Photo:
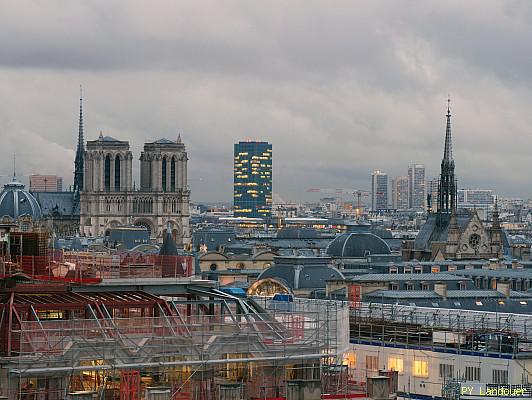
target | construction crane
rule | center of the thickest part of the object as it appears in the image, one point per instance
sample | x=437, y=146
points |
x=340, y=192
x=358, y=195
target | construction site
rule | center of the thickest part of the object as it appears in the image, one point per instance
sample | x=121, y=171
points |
x=435, y=350
x=94, y=332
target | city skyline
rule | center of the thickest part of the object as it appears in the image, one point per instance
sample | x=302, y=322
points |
x=366, y=92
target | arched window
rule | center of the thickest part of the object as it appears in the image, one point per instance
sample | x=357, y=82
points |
x=117, y=173
x=172, y=173
x=107, y=173
x=164, y=174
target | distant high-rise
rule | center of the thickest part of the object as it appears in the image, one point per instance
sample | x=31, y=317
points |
x=46, y=183
x=252, y=179
x=416, y=186
x=432, y=190
x=379, y=191
x=400, y=190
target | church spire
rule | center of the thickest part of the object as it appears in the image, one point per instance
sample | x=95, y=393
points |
x=496, y=220
x=78, y=163
x=448, y=151
x=447, y=184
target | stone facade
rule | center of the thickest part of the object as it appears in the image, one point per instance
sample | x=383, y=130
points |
x=109, y=198
x=474, y=241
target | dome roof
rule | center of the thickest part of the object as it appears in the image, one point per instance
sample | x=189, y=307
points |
x=302, y=272
x=15, y=201
x=357, y=245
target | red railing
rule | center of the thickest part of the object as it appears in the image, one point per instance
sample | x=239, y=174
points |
x=92, y=268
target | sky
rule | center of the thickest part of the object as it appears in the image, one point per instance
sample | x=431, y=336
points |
x=340, y=88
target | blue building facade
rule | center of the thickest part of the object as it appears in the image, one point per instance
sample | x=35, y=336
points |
x=252, y=179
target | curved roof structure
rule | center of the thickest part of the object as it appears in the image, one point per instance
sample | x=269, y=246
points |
x=302, y=272
x=15, y=201
x=357, y=245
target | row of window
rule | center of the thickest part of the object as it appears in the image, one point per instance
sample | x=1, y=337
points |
x=419, y=269
x=424, y=286
x=142, y=206
x=420, y=369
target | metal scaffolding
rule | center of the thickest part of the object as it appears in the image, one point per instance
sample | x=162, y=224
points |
x=437, y=327
x=196, y=348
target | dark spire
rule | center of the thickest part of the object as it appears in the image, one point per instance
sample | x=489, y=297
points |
x=448, y=151
x=447, y=185
x=496, y=220
x=78, y=163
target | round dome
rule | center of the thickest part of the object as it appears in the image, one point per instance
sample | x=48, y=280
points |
x=302, y=272
x=15, y=202
x=357, y=245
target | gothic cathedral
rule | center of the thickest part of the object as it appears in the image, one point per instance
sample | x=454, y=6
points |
x=110, y=198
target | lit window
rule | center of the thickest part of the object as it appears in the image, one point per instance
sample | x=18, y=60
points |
x=395, y=364
x=421, y=369
x=350, y=360
x=523, y=303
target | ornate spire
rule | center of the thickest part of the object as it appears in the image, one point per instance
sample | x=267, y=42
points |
x=448, y=151
x=496, y=221
x=447, y=184
x=80, y=154
x=179, y=138
x=14, y=167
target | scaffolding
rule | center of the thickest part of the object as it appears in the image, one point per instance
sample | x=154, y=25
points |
x=196, y=348
x=90, y=268
x=461, y=330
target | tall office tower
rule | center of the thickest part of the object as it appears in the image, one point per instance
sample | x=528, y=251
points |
x=46, y=183
x=400, y=190
x=252, y=179
x=379, y=190
x=416, y=186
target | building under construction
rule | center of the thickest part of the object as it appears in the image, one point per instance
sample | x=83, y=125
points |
x=435, y=350
x=165, y=339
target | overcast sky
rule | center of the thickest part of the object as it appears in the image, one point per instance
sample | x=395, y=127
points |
x=339, y=88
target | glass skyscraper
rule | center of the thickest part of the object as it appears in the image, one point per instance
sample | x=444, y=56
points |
x=252, y=180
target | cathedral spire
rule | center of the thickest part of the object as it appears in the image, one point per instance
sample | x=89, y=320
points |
x=447, y=185
x=448, y=150
x=78, y=163
x=496, y=220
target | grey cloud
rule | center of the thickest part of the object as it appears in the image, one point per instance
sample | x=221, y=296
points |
x=339, y=88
